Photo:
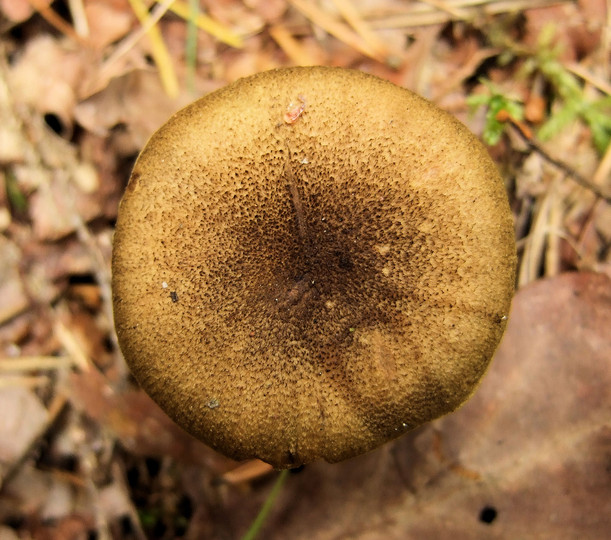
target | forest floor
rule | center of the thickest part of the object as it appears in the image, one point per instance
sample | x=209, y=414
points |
x=84, y=453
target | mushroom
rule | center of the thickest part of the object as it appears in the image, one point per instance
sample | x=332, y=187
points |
x=311, y=262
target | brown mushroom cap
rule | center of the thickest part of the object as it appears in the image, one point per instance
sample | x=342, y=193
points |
x=310, y=262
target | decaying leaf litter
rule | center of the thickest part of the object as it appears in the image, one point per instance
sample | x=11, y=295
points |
x=83, y=452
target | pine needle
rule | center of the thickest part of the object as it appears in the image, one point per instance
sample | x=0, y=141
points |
x=79, y=17
x=349, y=12
x=336, y=28
x=291, y=47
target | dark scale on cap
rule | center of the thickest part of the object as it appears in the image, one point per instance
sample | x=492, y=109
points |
x=337, y=285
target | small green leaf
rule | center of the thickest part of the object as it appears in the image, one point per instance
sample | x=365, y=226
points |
x=496, y=102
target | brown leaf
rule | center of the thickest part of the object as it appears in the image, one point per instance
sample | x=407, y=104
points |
x=527, y=457
x=108, y=21
x=138, y=422
x=135, y=100
x=46, y=77
x=18, y=404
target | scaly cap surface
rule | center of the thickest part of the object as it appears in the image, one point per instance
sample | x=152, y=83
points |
x=310, y=262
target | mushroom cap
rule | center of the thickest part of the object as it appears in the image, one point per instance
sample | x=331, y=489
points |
x=310, y=262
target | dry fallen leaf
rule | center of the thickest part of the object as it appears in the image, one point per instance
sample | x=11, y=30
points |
x=528, y=457
x=22, y=418
x=46, y=77
x=108, y=21
x=135, y=101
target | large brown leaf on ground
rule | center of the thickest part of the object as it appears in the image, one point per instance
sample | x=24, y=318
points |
x=528, y=457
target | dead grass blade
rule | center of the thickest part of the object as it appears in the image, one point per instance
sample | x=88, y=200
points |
x=35, y=363
x=49, y=15
x=209, y=25
x=431, y=12
x=160, y=53
x=352, y=16
x=337, y=29
x=298, y=54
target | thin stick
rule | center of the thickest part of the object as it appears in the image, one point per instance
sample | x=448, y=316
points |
x=569, y=171
x=596, y=81
x=526, y=135
x=56, y=21
x=255, y=468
